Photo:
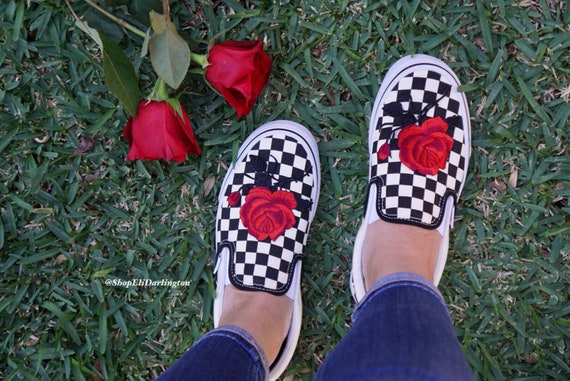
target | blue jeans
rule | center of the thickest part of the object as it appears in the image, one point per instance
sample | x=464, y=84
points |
x=401, y=331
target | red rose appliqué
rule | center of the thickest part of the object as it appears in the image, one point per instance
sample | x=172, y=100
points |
x=383, y=152
x=234, y=198
x=425, y=148
x=268, y=214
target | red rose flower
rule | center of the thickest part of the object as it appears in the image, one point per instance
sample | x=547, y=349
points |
x=425, y=148
x=383, y=152
x=238, y=70
x=158, y=131
x=268, y=214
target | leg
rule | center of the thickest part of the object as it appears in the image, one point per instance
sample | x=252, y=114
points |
x=248, y=310
x=401, y=331
x=419, y=142
x=267, y=202
x=387, y=249
x=228, y=353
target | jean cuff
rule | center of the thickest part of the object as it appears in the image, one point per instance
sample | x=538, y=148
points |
x=398, y=280
x=245, y=340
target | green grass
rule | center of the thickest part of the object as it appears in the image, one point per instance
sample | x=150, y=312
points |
x=71, y=221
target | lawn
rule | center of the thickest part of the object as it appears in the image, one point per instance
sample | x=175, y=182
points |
x=77, y=219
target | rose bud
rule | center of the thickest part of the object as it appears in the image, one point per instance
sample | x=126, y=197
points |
x=238, y=70
x=383, y=152
x=159, y=131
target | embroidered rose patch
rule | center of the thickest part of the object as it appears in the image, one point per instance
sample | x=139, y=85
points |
x=425, y=148
x=266, y=205
x=268, y=214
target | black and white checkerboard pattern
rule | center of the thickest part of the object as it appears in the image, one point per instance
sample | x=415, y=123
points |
x=405, y=195
x=267, y=265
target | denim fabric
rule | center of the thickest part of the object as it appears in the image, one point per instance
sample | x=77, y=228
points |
x=401, y=331
x=226, y=353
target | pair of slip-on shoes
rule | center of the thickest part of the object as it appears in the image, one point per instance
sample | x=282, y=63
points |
x=419, y=145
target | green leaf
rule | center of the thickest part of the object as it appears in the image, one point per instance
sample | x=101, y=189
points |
x=104, y=25
x=175, y=104
x=540, y=111
x=158, y=22
x=18, y=21
x=484, y=24
x=169, y=53
x=102, y=273
x=91, y=32
x=116, y=3
x=53, y=309
x=102, y=328
x=141, y=9
x=120, y=75
x=144, y=48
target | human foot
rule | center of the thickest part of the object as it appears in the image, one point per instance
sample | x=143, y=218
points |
x=419, y=145
x=266, y=204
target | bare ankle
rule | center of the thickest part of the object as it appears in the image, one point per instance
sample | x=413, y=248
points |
x=264, y=316
x=391, y=248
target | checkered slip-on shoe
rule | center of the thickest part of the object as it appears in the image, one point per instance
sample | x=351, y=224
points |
x=266, y=204
x=419, y=143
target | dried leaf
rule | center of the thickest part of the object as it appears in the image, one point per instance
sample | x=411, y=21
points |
x=498, y=186
x=92, y=177
x=505, y=274
x=97, y=366
x=479, y=42
x=512, y=50
x=85, y=144
x=514, y=177
x=209, y=185
x=33, y=340
x=42, y=140
x=92, y=32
